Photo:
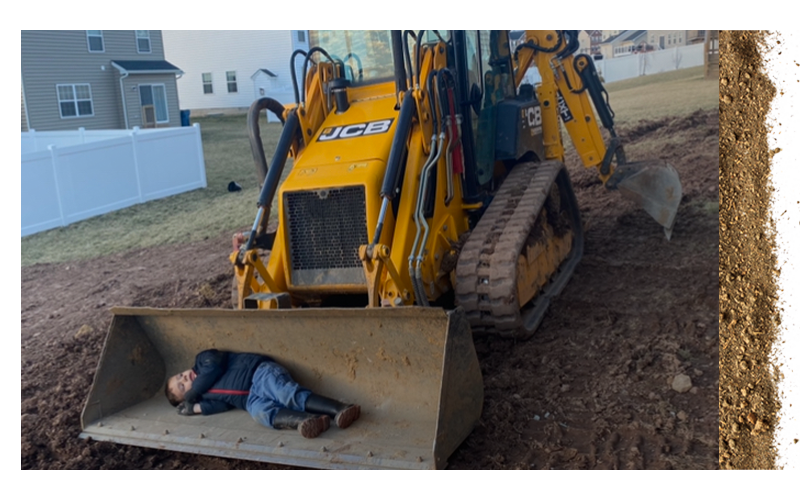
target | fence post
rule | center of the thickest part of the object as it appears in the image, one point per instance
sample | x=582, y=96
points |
x=82, y=132
x=54, y=161
x=32, y=132
x=200, y=158
x=134, y=147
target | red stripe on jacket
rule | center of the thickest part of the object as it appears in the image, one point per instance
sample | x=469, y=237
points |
x=229, y=391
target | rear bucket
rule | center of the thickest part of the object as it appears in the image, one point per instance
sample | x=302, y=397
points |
x=413, y=370
x=653, y=186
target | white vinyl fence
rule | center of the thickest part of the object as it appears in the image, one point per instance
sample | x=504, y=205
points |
x=633, y=65
x=650, y=63
x=69, y=176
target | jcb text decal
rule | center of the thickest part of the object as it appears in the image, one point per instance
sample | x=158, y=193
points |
x=355, y=130
x=563, y=109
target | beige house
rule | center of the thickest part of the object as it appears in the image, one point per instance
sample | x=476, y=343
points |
x=97, y=79
x=666, y=39
x=624, y=43
x=585, y=42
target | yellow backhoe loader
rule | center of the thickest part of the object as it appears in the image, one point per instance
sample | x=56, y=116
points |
x=428, y=202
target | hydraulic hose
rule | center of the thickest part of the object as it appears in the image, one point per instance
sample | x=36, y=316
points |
x=254, y=131
x=293, y=69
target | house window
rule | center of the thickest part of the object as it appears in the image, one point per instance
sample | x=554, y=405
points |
x=231, y=76
x=156, y=96
x=143, y=41
x=75, y=100
x=301, y=36
x=95, y=40
x=624, y=49
x=208, y=87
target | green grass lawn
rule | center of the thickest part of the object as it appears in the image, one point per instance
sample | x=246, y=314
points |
x=673, y=93
x=213, y=211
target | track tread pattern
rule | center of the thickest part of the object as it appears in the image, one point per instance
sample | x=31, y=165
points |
x=486, y=274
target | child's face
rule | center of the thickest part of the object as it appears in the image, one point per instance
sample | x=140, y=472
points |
x=179, y=384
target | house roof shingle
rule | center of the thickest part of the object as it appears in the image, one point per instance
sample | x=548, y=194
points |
x=634, y=35
x=614, y=37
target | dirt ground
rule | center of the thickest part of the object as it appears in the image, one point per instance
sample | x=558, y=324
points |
x=593, y=389
x=748, y=397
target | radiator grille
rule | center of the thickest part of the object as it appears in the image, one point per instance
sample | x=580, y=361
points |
x=326, y=227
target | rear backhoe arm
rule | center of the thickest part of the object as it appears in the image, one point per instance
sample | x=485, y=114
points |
x=570, y=85
x=563, y=93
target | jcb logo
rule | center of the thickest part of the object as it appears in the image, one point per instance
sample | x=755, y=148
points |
x=532, y=116
x=355, y=130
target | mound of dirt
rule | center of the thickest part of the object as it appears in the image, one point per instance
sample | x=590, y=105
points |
x=592, y=389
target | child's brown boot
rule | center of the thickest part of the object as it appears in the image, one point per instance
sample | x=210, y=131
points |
x=307, y=424
x=343, y=414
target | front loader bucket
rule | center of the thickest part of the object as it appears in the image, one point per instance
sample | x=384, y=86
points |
x=413, y=370
x=654, y=186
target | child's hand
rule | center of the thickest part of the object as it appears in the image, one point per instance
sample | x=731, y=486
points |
x=187, y=409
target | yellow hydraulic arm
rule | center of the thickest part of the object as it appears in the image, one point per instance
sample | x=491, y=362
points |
x=562, y=93
x=570, y=85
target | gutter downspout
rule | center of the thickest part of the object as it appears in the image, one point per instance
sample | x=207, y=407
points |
x=25, y=103
x=124, y=74
x=178, y=77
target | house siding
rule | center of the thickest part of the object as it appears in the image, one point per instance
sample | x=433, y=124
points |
x=134, y=104
x=220, y=51
x=50, y=58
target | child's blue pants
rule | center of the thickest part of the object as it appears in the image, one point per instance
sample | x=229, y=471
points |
x=273, y=389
